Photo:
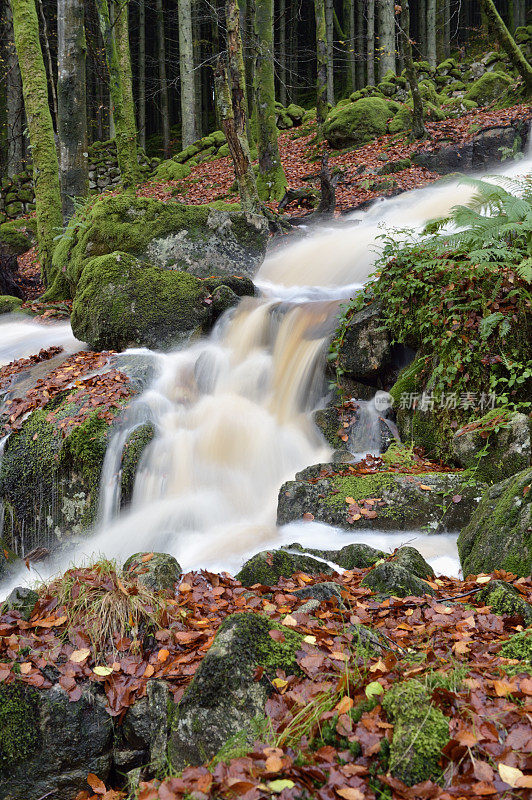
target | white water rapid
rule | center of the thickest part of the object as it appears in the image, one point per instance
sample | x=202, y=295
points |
x=232, y=412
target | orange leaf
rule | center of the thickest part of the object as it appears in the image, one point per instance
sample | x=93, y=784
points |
x=350, y=793
x=95, y=783
x=146, y=557
x=163, y=654
x=274, y=763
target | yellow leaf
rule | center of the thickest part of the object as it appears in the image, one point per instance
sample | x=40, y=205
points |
x=25, y=668
x=80, y=655
x=510, y=775
x=279, y=683
x=289, y=621
x=163, y=654
x=350, y=500
x=379, y=666
x=102, y=671
x=309, y=639
x=339, y=656
x=484, y=579
x=425, y=488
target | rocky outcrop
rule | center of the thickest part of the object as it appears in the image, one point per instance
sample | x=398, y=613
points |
x=497, y=445
x=499, y=536
x=441, y=501
x=354, y=124
x=49, y=745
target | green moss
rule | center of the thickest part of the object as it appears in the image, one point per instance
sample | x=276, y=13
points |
x=8, y=304
x=171, y=170
x=357, y=123
x=358, y=487
x=420, y=733
x=393, y=579
x=504, y=599
x=133, y=450
x=488, y=88
x=14, y=239
x=519, y=646
x=266, y=568
x=19, y=733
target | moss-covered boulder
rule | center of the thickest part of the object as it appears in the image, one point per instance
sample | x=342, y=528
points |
x=497, y=445
x=9, y=304
x=401, y=501
x=357, y=123
x=134, y=448
x=410, y=559
x=48, y=745
x=50, y=475
x=499, y=536
x=158, y=571
x=202, y=240
x=225, y=696
x=16, y=238
x=121, y=301
x=504, y=599
x=488, y=88
x=420, y=733
x=172, y=170
x=22, y=600
x=393, y=579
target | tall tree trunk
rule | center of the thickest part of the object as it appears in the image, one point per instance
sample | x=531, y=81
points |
x=440, y=30
x=186, y=72
x=124, y=62
x=447, y=28
x=292, y=40
x=418, y=127
x=126, y=141
x=282, y=53
x=231, y=96
x=349, y=25
x=142, y=75
x=112, y=129
x=422, y=25
x=359, y=44
x=321, y=52
x=72, y=103
x=431, y=33
x=371, y=43
x=197, y=59
x=49, y=63
x=14, y=101
x=271, y=181
x=329, y=24
x=508, y=43
x=386, y=37
x=163, y=83
x=41, y=130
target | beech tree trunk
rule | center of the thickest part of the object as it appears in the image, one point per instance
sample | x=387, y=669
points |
x=49, y=65
x=126, y=140
x=329, y=26
x=271, y=181
x=359, y=44
x=282, y=53
x=386, y=37
x=516, y=55
x=418, y=128
x=186, y=73
x=422, y=26
x=231, y=96
x=72, y=103
x=321, y=52
x=431, y=33
x=40, y=127
x=163, y=83
x=14, y=101
x=142, y=75
x=349, y=25
x=124, y=61
x=371, y=43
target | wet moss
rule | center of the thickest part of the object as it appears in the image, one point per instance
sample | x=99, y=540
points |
x=488, y=88
x=266, y=568
x=133, y=450
x=519, y=646
x=393, y=579
x=19, y=732
x=505, y=600
x=9, y=304
x=357, y=123
x=358, y=487
x=420, y=733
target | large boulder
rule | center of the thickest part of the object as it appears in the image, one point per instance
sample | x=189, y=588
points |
x=488, y=88
x=441, y=501
x=48, y=745
x=227, y=695
x=499, y=536
x=497, y=445
x=203, y=240
x=393, y=579
x=158, y=571
x=356, y=123
x=366, y=352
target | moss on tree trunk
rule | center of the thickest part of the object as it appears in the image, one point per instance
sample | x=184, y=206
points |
x=496, y=23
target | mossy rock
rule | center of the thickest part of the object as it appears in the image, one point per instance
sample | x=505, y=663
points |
x=395, y=166
x=134, y=448
x=488, y=88
x=393, y=579
x=171, y=170
x=203, y=240
x=121, y=302
x=505, y=600
x=357, y=123
x=49, y=481
x=519, y=646
x=420, y=733
x=21, y=600
x=409, y=502
x=225, y=695
x=507, y=448
x=9, y=304
x=411, y=560
x=158, y=571
x=14, y=240
x=499, y=536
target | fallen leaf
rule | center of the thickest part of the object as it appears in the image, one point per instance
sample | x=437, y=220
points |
x=349, y=793
x=510, y=775
x=80, y=655
x=102, y=671
x=95, y=783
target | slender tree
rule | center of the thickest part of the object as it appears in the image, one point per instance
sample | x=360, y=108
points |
x=186, y=71
x=14, y=101
x=321, y=52
x=349, y=25
x=508, y=43
x=282, y=52
x=329, y=26
x=386, y=37
x=418, y=128
x=71, y=103
x=124, y=62
x=371, y=43
x=422, y=27
x=271, y=180
x=40, y=127
x=48, y=62
x=163, y=83
x=431, y=33
x=359, y=44
x=126, y=141
x=141, y=104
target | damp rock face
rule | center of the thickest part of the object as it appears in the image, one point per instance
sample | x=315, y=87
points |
x=394, y=579
x=225, y=697
x=157, y=571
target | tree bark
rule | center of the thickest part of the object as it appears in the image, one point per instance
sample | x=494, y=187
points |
x=186, y=72
x=14, y=101
x=40, y=126
x=142, y=75
x=126, y=142
x=371, y=43
x=349, y=25
x=49, y=64
x=231, y=96
x=418, y=128
x=329, y=25
x=72, y=103
x=386, y=37
x=431, y=33
x=271, y=181
x=508, y=43
x=282, y=53
x=422, y=25
x=359, y=44
x=124, y=62
x=163, y=83
x=321, y=53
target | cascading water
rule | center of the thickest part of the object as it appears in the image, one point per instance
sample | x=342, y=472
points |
x=231, y=413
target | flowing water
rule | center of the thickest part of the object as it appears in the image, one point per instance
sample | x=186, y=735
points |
x=232, y=412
